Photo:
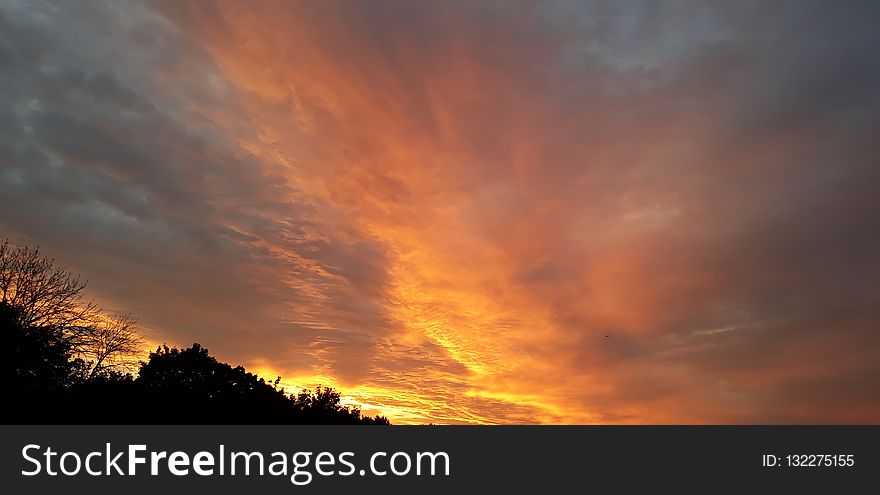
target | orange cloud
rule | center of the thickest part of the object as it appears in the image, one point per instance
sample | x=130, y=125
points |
x=541, y=217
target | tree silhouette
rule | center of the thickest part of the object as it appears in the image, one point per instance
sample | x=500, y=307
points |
x=193, y=383
x=110, y=343
x=41, y=359
x=44, y=295
x=48, y=297
x=211, y=391
x=65, y=364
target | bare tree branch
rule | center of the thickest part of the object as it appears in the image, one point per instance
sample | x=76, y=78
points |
x=46, y=295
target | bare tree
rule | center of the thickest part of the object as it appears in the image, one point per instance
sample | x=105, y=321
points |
x=111, y=343
x=44, y=295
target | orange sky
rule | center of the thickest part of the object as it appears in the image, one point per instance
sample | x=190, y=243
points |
x=475, y=212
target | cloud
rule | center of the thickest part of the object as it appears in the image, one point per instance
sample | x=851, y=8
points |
x=563, y=212
x=126, y=159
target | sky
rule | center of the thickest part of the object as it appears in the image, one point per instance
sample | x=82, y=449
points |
x=470, y=212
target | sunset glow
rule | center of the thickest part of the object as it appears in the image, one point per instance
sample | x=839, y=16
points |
x=470, y=212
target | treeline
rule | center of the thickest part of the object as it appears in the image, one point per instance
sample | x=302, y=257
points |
x=71, y=363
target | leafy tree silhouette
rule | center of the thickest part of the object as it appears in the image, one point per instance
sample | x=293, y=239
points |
x=191, y=385
x=41, y=358
x=60, y=365
x=174, y=386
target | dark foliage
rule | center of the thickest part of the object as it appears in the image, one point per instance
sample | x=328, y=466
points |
x=42, y=358
x=47, y=302
x=186, y=386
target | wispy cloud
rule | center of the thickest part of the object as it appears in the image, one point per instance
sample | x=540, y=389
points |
x=487, y=212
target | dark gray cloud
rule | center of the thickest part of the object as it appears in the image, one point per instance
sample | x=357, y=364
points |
x=119, y=157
